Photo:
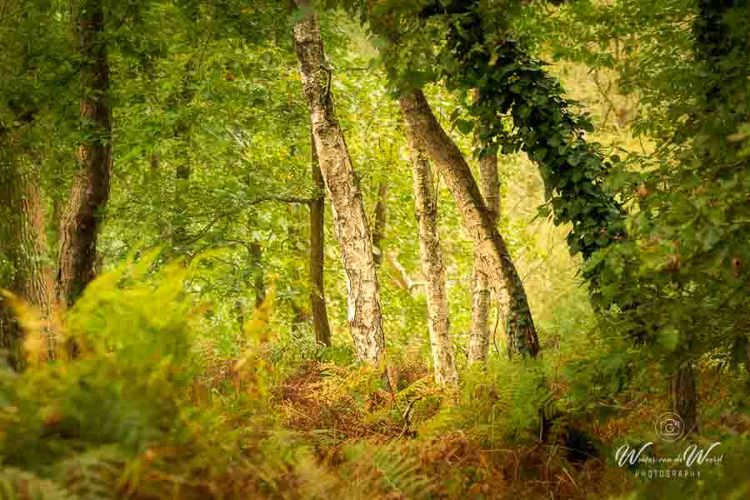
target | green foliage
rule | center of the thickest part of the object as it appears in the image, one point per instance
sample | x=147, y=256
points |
x=508, y=81
x=688, y=219
x=391, y=470
x=725, y=481
x=498, y=404
x=196, y=372
x=17, y=484
x=128, y=382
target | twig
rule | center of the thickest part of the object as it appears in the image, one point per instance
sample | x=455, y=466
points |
x=407, y=416
x=257, y=201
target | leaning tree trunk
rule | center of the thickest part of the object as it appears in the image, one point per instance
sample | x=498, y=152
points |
x=24, y=270
x=427, y=134
x=350, y=221
x=480, y=306
x=82, y=217
x=317, y=255
x=425, y=202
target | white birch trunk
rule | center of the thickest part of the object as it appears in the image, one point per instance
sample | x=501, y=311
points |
x=350, y=221
x=425, y=202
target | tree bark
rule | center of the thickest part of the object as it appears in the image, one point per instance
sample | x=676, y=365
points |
x=179, y=213
x=683, y=391
x=428, y=135
x=182, y=132
x=425, y=202
x=480, y=307
x=83, y=215
x=490, y=185
x=378, y=230
x=350, y=220
x=24, y=270
x=255, y=252
x=317, y=255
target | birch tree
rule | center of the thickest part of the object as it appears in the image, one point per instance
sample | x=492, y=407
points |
x=481, y=295
x=349, y=218
x=426, y=133
x=425, y=202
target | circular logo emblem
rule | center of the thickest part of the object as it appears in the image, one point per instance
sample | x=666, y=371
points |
x=670, y=426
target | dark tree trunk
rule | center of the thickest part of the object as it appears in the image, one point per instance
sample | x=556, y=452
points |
x=182, y=132
x=428, y=135
x=317, y=255
x=259, y=278
x=179, y=215
x=83, y=215
x=683, y=390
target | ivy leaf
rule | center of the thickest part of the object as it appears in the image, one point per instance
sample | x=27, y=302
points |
x=464, y=126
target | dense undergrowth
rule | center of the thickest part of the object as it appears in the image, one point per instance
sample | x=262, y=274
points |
x=155, y=407
x=192, y=372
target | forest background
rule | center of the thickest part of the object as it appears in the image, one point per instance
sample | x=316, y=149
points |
x=374, y=249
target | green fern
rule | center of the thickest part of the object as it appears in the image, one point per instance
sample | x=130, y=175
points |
x=16, y=484
x=92, y=474
x=387, y=468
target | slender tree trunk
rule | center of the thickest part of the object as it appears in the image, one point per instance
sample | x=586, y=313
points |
x=425, y=202
x=182, y=132
x=179, y=214
x=24, y=270
x=428, y=135
x=490, y=185
x=317, y=255
x=378, y=230
x=683, y=391
x=350, y=221
x=82, y=217
x=480, y=307
x=259, y=278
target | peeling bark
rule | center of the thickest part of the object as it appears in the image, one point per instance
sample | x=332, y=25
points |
x=428, y=135
x=83, y=215
x=350, y=220
x=432, y=267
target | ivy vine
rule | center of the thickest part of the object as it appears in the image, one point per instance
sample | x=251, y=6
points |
x=511, y=83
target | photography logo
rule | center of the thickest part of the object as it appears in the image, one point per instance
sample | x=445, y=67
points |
x=684, y=461
x=670, y=426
